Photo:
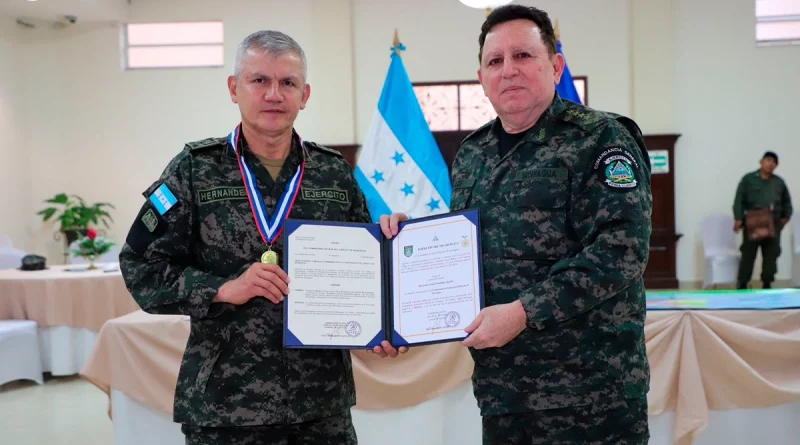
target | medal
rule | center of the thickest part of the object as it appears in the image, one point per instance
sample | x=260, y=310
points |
x=269, y=257
x=269, y=228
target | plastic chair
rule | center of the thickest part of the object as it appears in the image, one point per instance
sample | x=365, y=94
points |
x=10, y=258
x=722, y=253
x=796, y=251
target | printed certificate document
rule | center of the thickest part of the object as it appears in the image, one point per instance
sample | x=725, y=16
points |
x=351, y=288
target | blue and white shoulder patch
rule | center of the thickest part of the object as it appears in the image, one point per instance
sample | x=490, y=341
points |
x=163, y=199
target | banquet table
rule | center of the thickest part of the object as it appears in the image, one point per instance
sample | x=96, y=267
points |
x=70, y=304
x=725, y=368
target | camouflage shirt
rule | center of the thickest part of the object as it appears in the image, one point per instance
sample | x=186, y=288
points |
x=235, y=370
x=565, y=227
x=754, y=191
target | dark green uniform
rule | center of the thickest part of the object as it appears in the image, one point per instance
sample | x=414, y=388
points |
x=235, y=371
x=565, y=226
x=756, y=192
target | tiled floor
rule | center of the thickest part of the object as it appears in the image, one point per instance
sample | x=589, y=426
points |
x=65, y=411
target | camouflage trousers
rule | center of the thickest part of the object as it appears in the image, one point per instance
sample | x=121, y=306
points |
x=334, y=430
x=619, y=423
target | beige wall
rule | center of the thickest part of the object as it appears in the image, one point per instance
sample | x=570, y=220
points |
x=674, y=65
x=442, y=44
x=732, y=102
x=15, y=182
x=108, y=133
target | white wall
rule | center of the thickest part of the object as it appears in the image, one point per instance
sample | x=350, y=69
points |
x=107, y=134
x=442, y=44
x=674, y=65
x=14, y=181
x=733, y=101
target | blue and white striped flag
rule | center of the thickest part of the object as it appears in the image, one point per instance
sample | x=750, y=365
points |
x=400, y=168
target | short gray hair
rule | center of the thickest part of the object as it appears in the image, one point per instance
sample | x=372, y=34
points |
x=271, y=42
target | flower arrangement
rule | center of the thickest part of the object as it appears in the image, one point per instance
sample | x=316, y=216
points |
x=91, y=246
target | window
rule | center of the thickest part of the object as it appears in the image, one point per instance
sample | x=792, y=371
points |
x=173, y=45
x=777, y=22
x=455, y=109
x=462, y=106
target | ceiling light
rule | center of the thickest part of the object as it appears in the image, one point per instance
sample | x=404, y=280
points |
x=485, y=4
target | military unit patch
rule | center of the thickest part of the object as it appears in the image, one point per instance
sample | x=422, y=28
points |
x=150, y=220
x=617, y=168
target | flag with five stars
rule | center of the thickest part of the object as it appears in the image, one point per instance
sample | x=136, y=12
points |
x=400, y=168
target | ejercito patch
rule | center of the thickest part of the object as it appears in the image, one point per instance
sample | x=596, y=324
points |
x=617, y=169
x=326, y=195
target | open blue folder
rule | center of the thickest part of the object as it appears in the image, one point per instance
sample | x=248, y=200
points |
x=440, y=275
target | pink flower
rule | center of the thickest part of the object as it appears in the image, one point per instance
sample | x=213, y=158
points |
x=91, y=234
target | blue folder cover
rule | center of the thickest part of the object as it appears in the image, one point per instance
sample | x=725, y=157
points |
x=387, y=331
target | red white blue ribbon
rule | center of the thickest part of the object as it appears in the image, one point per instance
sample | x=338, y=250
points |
x=269, y=228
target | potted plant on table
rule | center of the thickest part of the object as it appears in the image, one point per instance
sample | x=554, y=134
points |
x=91, y=247
x=74, y=215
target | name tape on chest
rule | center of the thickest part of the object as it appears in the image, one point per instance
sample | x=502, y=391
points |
x=327, y=194
x=163, y=199
x=558, y=174
x=220, y=194
x=617, y=169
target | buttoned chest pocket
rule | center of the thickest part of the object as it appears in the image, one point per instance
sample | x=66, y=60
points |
x=462, y=191
x=536, y=227
x=220, y=213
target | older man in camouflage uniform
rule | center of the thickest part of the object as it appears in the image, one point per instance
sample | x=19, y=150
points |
x=194, y=249
x=564, y=196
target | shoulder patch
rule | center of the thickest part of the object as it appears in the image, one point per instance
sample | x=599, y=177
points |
x=330, y=151
x=206, y=143
x=480, y=131
x=617, y=169
x=584, y=117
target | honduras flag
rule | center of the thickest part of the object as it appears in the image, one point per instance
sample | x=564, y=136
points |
x=400, y=168
x=566, y=88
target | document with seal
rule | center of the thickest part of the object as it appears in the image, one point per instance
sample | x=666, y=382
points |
x=437, y=279
x=351, y=288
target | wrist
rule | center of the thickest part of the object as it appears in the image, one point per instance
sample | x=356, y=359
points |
x=520, y=315
x=222, y=293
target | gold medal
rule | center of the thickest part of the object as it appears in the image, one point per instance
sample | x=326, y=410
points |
x=269, y=257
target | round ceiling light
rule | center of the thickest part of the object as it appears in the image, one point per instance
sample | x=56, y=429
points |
x=485, y=4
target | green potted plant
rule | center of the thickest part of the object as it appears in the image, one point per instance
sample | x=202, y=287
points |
x=92, y=246
x=74, y=215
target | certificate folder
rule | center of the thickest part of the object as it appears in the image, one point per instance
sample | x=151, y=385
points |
x=352, y=288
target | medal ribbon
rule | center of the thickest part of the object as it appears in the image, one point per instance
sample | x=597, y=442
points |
x=269, y=228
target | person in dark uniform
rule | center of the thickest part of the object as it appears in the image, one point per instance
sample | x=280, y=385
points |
x=195, y=249
x=565, y=203
x=761, y=189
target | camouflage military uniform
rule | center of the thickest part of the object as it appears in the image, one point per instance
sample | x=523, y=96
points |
x=235, y=371
x=565, y=226
x=753, y=192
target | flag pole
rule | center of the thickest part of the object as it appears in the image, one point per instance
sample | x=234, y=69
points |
x=396, y=43
x=558, y=31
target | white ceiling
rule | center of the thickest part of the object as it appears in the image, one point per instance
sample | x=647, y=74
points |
x=49, y=11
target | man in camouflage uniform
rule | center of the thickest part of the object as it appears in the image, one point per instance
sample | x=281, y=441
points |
x=565, y=203
x=194, y=249
x=761, y=189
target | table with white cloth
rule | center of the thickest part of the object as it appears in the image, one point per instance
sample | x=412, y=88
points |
x=70, y=304
x=717, y=376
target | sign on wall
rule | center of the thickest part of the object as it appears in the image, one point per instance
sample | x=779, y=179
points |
x=659, y=161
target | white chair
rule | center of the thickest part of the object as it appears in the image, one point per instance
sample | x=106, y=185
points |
x=10, y=258
x=5, y=241
x=796, y=251
x=721, y=251
x=112, y=256
x=20, y=358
